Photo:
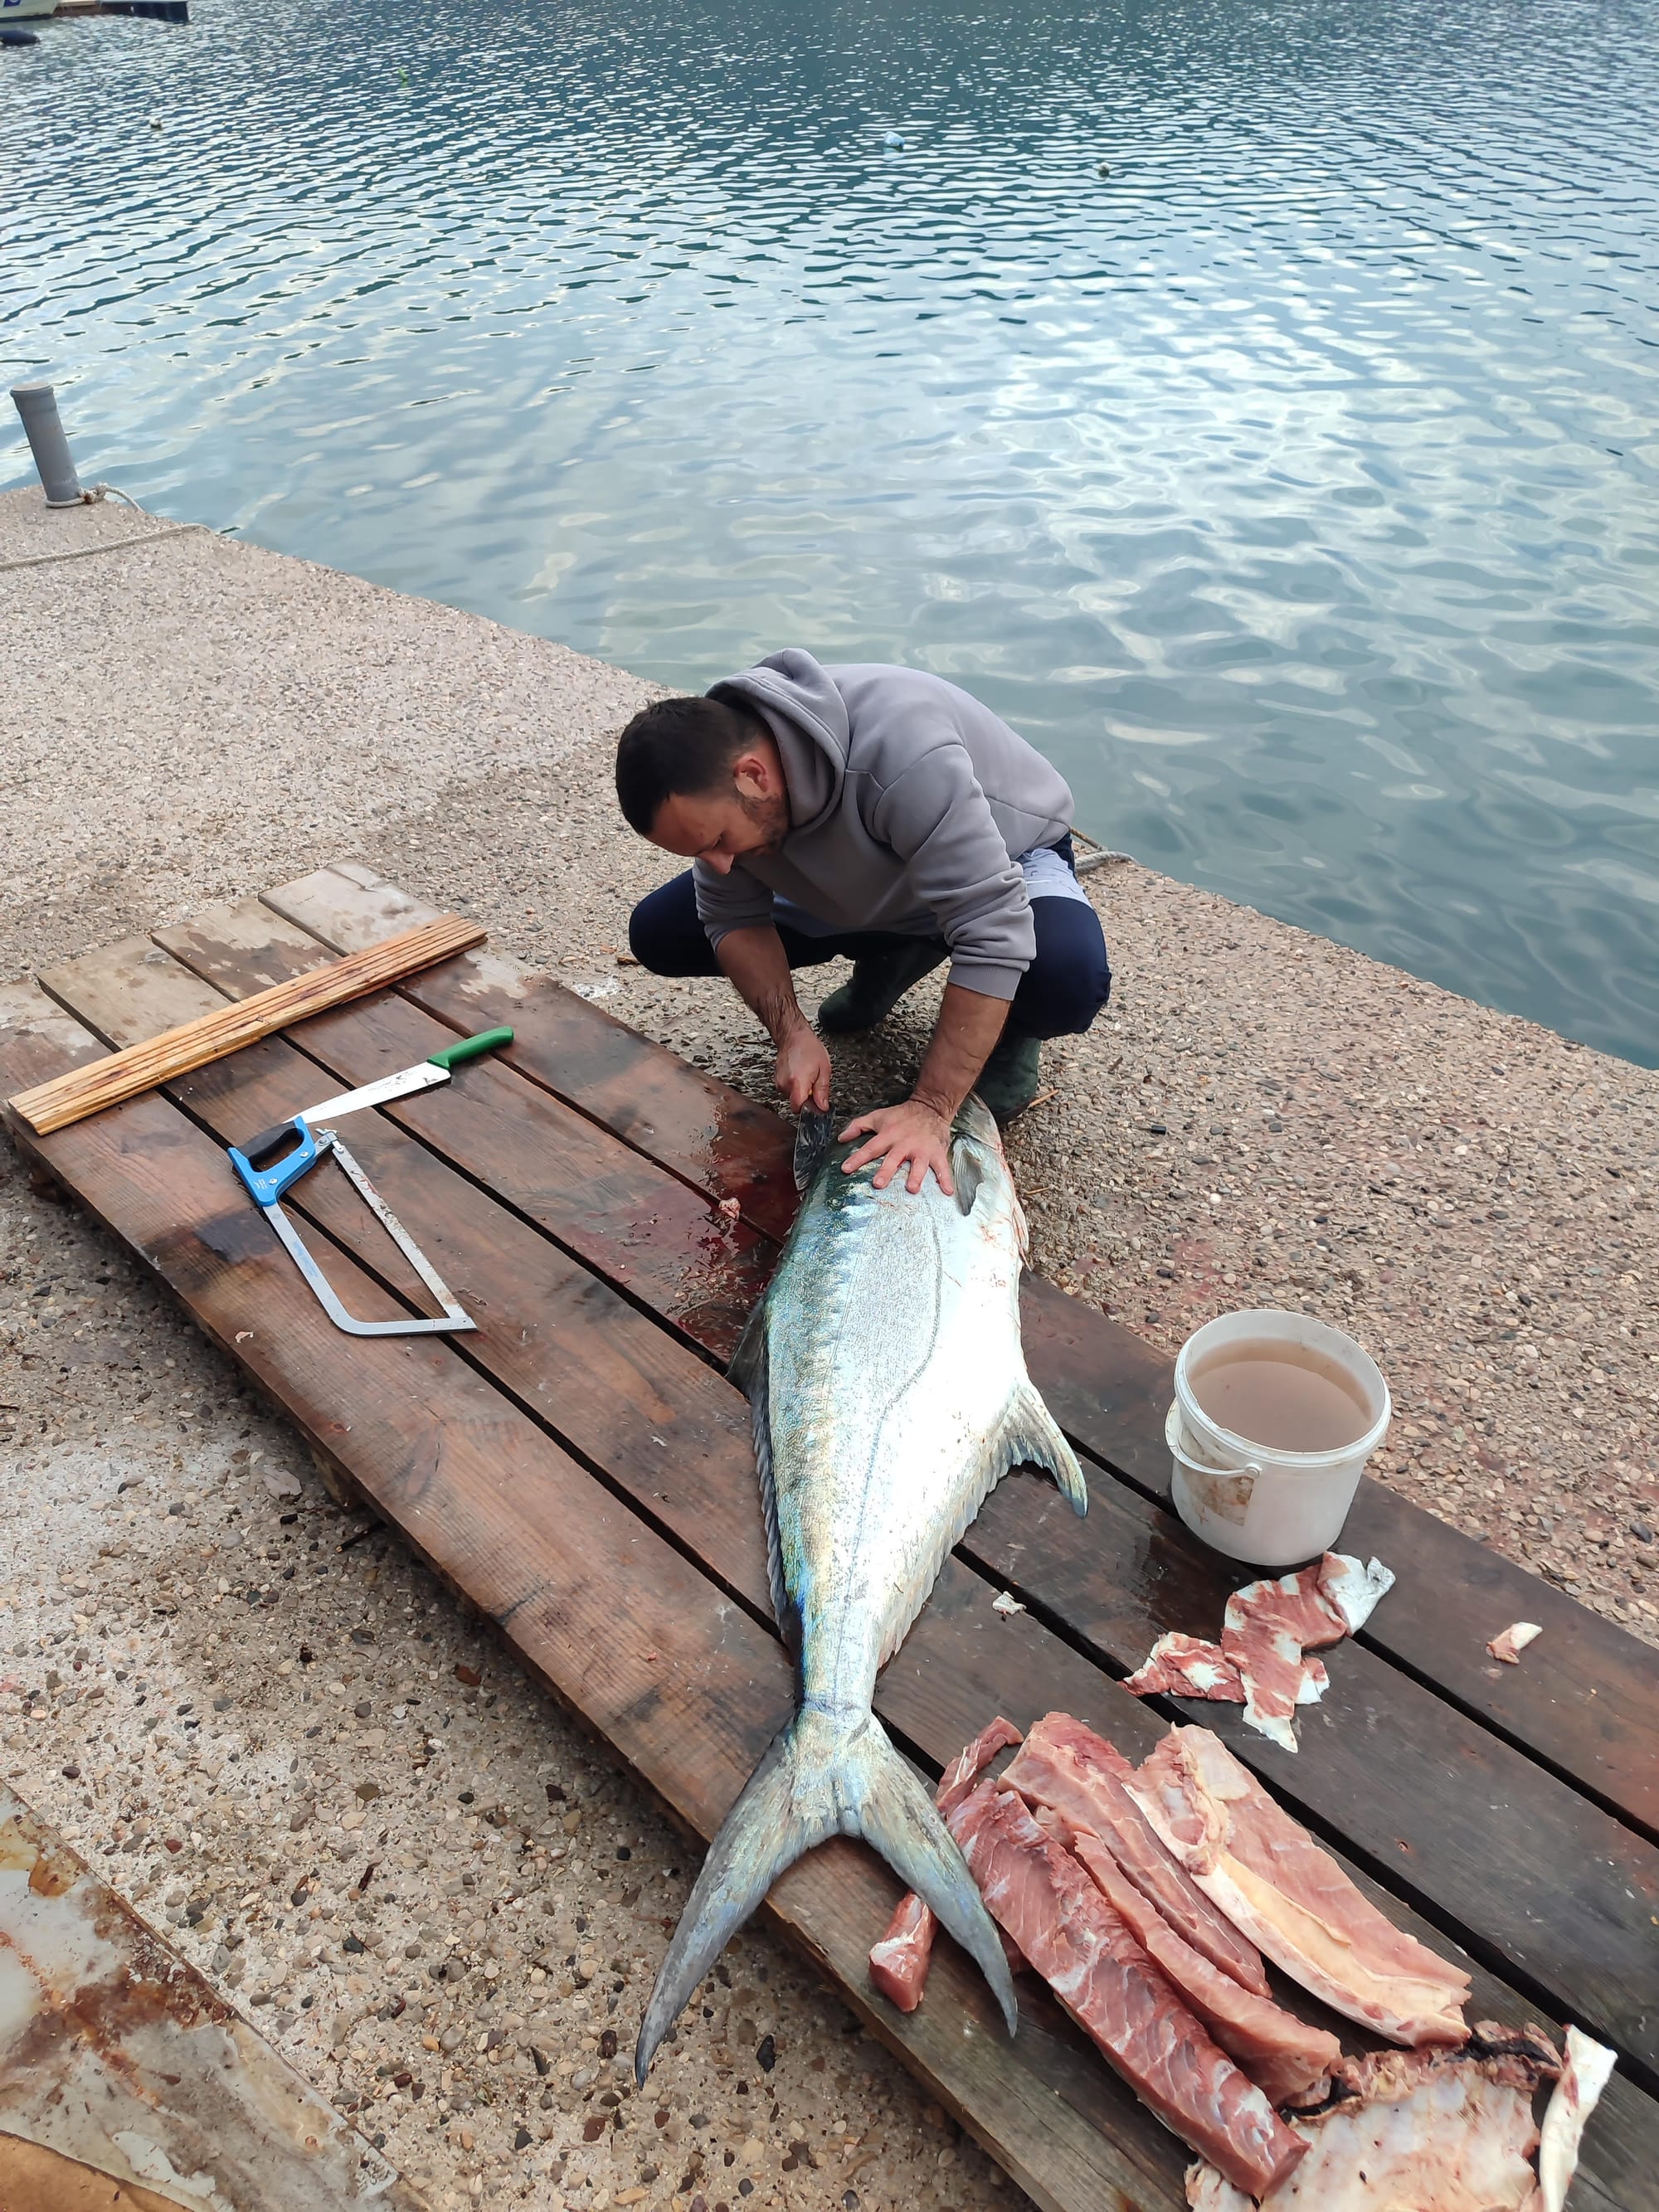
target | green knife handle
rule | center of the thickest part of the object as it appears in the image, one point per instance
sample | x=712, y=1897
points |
x=470, y=1047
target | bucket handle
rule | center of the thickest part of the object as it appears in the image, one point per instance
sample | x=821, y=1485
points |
x=1199, y=1465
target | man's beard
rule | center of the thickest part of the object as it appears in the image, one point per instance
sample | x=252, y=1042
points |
x=771, y=817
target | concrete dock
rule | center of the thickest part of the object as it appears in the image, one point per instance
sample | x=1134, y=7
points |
x=1261, y=1118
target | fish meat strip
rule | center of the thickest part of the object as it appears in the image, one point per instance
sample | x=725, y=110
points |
x=1275, y=1882
x=1586, y=2073
x=1421, y=2131
x=1065, y=1765
x=899, y=1962
x=1509, y=1643
x=1039, y=1893
x=1290, y=2061
x=1183, y=1667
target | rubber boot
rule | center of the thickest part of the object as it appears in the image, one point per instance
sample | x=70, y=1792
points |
x=1008, y=1081
x=878, y=985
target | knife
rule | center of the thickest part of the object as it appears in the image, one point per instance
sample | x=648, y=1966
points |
x=425, y=1075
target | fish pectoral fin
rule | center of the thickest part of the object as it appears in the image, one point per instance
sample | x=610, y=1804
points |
x=1029, y=1437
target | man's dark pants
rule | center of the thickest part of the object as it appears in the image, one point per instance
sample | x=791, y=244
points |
x=1060, y=993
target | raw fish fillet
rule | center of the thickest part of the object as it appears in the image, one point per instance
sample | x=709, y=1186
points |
x=1586, y=2073
x=1074, y=1939
x=899, y=1962
x=1290, y=2061
x=1064, y=1764
x=1423, y=2131
x=1509, y=1643
x=1267, y=1873
x=1182, y=1667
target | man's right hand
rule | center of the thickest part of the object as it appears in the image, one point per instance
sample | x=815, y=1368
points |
x=803, y=1069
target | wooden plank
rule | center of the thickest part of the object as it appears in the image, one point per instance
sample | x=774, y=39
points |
x=1457, y=1819
x=644, y=1228
x=689, y=1688
x=1589, y=1713
x=961, y=1660
x=84, y=1091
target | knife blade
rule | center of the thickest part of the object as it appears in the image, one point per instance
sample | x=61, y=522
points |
x=425, y=1075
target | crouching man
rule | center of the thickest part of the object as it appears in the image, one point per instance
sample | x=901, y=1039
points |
x=881, y=815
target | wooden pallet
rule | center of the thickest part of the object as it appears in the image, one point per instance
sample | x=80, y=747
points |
x=581, y=1469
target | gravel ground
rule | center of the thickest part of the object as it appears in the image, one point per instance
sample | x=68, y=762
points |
x=268, y=1727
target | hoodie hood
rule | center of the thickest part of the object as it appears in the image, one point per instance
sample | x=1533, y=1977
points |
x=807, y=716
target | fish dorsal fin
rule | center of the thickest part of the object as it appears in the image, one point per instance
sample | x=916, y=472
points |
x=814, y=1134
x=967, y=1175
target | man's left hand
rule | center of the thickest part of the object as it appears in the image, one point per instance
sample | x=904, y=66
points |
x=912, y=1135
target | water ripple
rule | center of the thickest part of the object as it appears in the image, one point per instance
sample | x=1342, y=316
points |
x=1292, y=483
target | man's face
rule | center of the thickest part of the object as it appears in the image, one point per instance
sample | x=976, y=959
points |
x=750, y=815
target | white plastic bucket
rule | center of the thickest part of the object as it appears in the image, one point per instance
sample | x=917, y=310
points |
x=1272, y=1509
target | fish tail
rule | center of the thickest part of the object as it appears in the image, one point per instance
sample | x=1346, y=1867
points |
x=899, y=1818
x=826, y=1774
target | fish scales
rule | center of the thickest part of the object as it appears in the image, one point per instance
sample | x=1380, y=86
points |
x=889, y=1395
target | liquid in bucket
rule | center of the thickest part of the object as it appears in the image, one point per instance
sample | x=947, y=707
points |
x=1284, y=1396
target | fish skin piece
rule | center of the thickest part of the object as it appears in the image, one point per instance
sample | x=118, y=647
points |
x=1275, y=1883
x=890, y=1395
x=1418, y=2131
x=1065, y=1765
x=1585, y=2073
x=1509, y=1643
x=900, y=1959
x=1105, y=1981
x=1290, y=2061
x=1353, y=1589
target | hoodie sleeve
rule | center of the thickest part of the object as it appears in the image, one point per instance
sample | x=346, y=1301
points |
x=736, y=901
x=935, y=817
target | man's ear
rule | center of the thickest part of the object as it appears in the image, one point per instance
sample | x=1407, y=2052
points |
x=752, y=775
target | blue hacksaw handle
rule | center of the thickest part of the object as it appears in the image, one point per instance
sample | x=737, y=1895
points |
x=265, y=1188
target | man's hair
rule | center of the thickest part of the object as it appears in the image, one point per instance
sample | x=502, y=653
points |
x=676, y=746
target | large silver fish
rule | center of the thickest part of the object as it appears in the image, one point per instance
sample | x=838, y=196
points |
x=889, y=1396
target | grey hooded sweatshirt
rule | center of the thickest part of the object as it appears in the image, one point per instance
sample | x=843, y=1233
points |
x=908, y=805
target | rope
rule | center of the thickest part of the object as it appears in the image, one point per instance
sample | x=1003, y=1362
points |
x=115, y=545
